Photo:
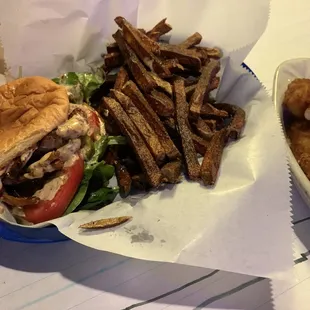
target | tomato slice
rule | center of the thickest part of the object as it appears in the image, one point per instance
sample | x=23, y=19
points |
x=47, y=210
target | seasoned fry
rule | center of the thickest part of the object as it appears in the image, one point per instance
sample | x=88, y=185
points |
x=131, y=90
x=113, y=60
x=161, y=103
x=207, y=52
x=212, y=159
x=142, y=76
x=151, y=110
x=154, y=36
x=159, y=29
x=210, y=110
x=238, y=119
x=191, y=161
x=121, y=79
x=203, y=130
x=189, y=90
x=128, y=128
x=123, y=179
x=150, y=44
x=106, y=223
x=160, y=83
x=215, y=83
x=200, y=144
x=146, y=131
x=184, y=56
x=191, y=41
x=143, y=50
x=112, y=48
x=139, y=182
x=211, y=123
x=203, y=87
x=172, y=172
x=173, y=65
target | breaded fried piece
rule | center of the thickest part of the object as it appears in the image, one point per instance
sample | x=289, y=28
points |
x=203, y=87
x=212, y=159
x=190, y=155
x=146, y=131
x=298, y=133
x=132, y=91
x=128, y=128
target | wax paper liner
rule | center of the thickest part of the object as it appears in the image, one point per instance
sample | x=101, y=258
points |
x=57, y=36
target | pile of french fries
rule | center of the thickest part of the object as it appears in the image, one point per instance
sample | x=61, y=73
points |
x=161, y=103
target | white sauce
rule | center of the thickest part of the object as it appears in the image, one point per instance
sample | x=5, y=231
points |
x=50, y=188
x=73, y=128
x=44, y=165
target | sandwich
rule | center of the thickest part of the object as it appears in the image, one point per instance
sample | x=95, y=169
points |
x=45, y=144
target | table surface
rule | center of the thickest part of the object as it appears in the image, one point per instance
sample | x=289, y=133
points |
x=70, y=276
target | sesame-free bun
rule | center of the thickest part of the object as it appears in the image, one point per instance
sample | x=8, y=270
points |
x=30, y=108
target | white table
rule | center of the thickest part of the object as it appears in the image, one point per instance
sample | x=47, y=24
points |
x=70, y=276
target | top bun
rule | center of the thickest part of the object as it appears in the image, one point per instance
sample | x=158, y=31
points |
x=30, y=108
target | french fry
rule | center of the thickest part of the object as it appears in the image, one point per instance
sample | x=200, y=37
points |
x=121, y=79
x=131, y=90
x=203, y=130
x=200, y=144
x=128, y=128
x=106, y=223
x=143, y=50
x=191, y=41
x=150, y=44
x=146, y=131
x=161, y=103
x=203, y=87
x=212, y=159
x=172, y=172
x=191, y=161
x=185, y=57
x=113, y=60
x=209, y=110
x=238, y=119
x=142, y=76
x=159, y=29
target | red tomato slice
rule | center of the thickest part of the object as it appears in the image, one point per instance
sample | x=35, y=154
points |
x=47, y=210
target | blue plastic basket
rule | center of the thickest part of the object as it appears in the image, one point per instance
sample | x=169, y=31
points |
x=42, y=235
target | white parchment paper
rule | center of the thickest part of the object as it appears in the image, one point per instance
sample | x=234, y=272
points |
x=241, y=225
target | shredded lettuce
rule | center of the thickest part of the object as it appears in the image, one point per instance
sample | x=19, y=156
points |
x=81, y=86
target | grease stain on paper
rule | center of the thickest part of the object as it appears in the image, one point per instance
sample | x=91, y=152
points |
x=143, y=236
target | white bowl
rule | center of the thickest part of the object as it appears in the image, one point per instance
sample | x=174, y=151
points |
x=286, y=73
